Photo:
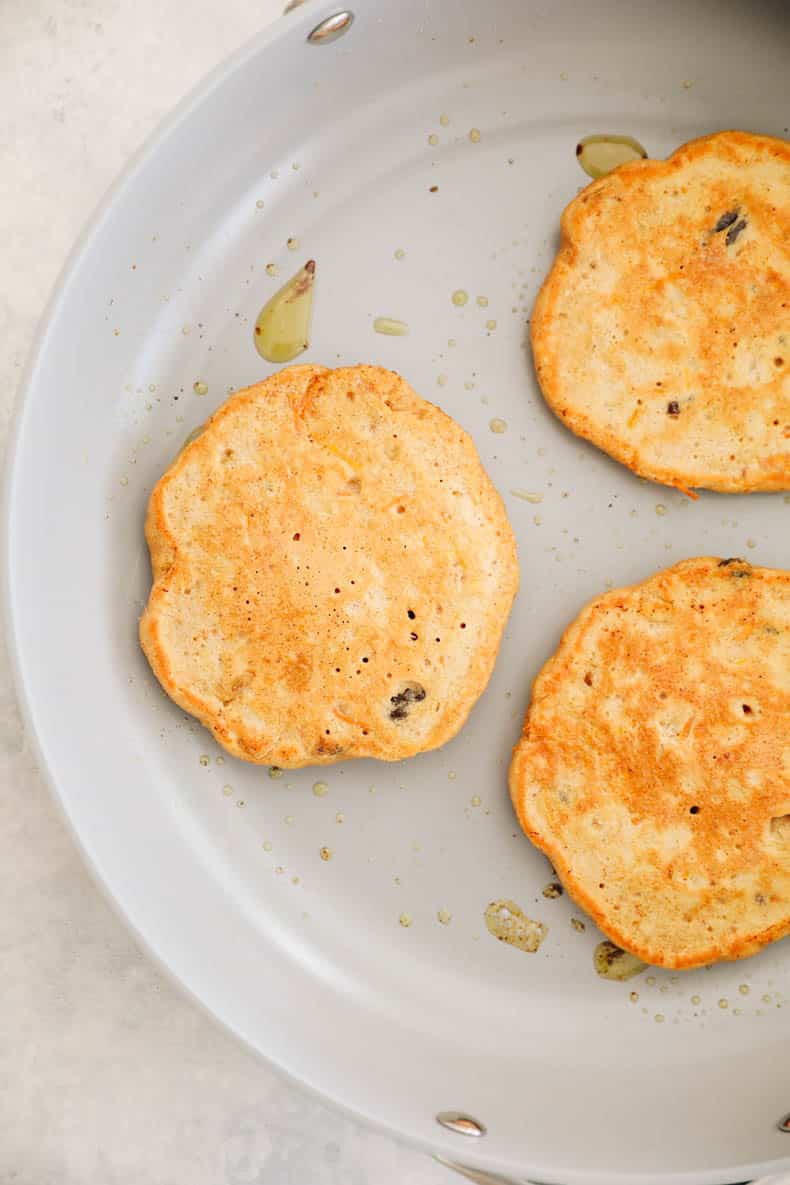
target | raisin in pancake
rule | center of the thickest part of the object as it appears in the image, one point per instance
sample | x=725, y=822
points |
x=333, y=571
x=654, y=768
x=662, y=332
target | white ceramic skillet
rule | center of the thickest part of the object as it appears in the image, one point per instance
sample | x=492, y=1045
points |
x=359, y=149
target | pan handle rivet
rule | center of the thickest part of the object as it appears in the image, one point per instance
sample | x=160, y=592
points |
x=784, y=1124
x=463, y=1125
x=330, y=29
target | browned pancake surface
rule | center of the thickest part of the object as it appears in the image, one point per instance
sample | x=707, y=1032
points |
x=333, y=571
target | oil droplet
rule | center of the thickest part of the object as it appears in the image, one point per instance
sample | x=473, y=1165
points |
x=259, y=203
x=186, y=329
x=696, y=1000
x=282, y=329
x=497, y=425
x=227, y=791
x=459, y=298
x=267, y=845
x=271, y=269
x=744, y=989
x=292, y=243
x=441, y=380
x=279, y=870
x=275, y=771
x=633, y=997
x=444, y=917
x=433, y=139
x=200, y=388
x=444, y=120
x=325, y=853
x=578, y=925
x=552, y=890
x=491, y=324
x=340, y=817
x=599, y=154
x=508, y=922
x=124, y=481
x=612, y=962
x=661, y=509
x=405, y=920
x=220, y=760
x=475, y=800
x=751, y=542
x=451, y=774
x=400, y=253
x=474, y=135
x=659, y=1018
x=724, y=1003
x=204, y=759
x=390, y=326
x=526, y=496
x=767, y=998
x=241, y=803
x=483, y=302
x=651, y=979
x=289, y=819
x=320, y=789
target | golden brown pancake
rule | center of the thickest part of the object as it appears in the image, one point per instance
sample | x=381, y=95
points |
x=662, y=332
x=654, y=768
x=332, y=569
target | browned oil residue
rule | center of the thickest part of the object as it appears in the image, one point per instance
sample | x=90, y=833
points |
x=611, y=962
x=282, y=330
x=508, y=922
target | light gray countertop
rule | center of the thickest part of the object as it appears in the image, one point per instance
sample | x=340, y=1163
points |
x=108, y=1075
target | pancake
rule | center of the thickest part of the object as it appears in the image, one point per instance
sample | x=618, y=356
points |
x=654, y=767
x=332, y=571
x=662, y=332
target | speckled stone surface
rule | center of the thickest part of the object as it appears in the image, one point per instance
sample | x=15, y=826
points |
x=108, y=1075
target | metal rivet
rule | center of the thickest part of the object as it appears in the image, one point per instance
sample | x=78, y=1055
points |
x=463, y=1125
x=784, y=1125
x=331, y=28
